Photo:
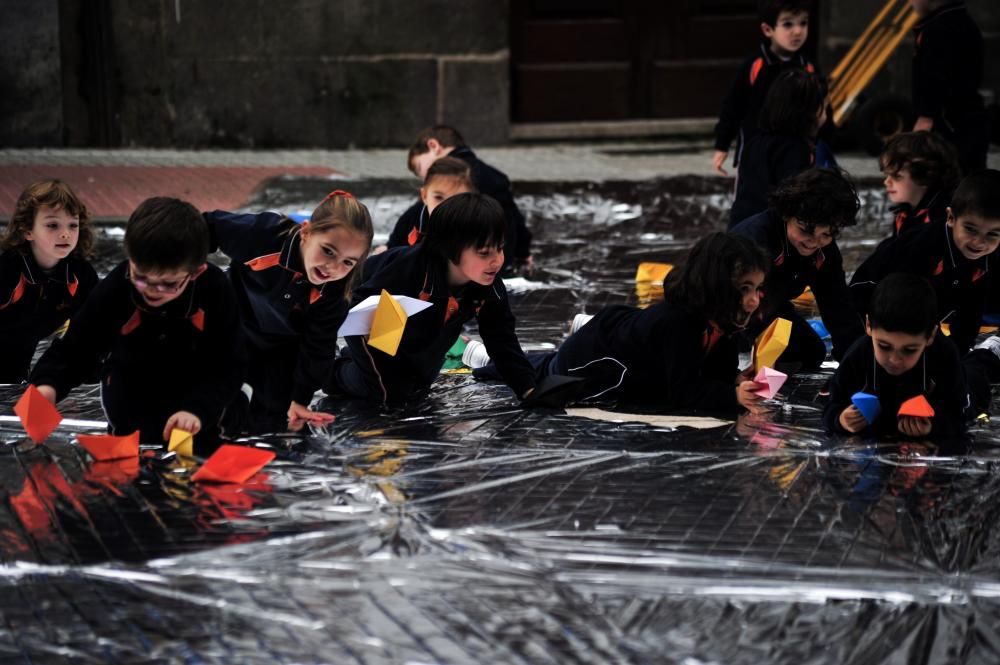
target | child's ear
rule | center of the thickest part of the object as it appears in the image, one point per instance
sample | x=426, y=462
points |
x=767, y=30
x=868, y=326
x=423, y=195
x=197, y=273
x=433, y=145
x=951, y=216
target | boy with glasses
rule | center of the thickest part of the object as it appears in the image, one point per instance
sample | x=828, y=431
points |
x=162, y=332
x=798, y=231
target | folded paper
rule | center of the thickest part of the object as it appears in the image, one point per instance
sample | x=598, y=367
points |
x=772, y=380
x=359, y=319
x=233, y=464
x=771, y=343
x=917, y=407
x=39, y=416
x=388, y=325
x=652, y=272
x=104, y=447
x=868, y=405
x=182, y=442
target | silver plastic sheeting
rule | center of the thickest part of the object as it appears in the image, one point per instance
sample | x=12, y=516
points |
x=464, y=529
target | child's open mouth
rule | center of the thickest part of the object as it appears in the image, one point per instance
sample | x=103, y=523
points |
x=320, y=275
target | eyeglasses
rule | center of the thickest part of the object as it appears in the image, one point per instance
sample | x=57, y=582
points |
x=170, y=286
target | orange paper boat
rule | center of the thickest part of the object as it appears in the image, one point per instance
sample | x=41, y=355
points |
x=918, y=407
x=39, y=416
x=104, y=447
x=233, y=464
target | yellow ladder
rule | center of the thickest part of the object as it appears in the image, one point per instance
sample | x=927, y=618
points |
x=867, y=56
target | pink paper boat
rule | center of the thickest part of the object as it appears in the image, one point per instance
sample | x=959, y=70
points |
x=773, y=380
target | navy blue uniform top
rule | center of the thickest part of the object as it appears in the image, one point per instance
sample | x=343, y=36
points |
x=933, y=207
x=947, y=64
x=791, y=273
x=414, y=272
x=767, y=159
x=35, y=302
x=278, y=304
x=742, y=103
x=938, y=376
x=673, y=358
x=188, y=352
x=487, y=180
x=961, y=285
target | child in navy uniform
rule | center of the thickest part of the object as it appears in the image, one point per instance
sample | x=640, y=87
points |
x=162, y=331
x=798, y=232
x=44, y=273
x=679, y=354
x=921, y=172
x=947, y=75
x=441, y=140
x=456, y=268
x=785, y=25
x=955, y=256
x=793, y=112
x=445, y=178
x=293, y=284
x=903, y=357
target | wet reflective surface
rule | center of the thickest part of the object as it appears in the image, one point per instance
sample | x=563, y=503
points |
x=464, y=529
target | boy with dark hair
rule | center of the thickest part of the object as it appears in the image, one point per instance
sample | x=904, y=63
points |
x=456, y=268
x=903, y=357
x=921, y=172
x=785, y=27
x=955, y=256
x=947, y=75
x=439, y=141
x=162, y=332
x=798, y=231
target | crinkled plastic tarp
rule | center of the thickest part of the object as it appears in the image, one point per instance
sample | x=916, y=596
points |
x=463, y=529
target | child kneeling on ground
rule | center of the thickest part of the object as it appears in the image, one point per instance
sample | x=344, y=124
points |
x=680, y=354
x=903, y=356
x=162, y=331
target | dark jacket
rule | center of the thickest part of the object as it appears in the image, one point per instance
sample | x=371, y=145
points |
x=741, y=105
x=186, y=355
x=938, y=376
x=961, y=285
x=767, y=159
x=414, y=272
x=947, y=65
x=278, y=304
x=671, y=357
x=34, y=303
x=791, y=273
x=933, y=207
x=489, y=181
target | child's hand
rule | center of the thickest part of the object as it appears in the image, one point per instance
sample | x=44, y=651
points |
x=718, y=159
x=746, y=395
x=378, y=249
x=299, y=415
x=184, y=420
x=914, y=426
x=923, y=124
x=852, y=420
x=48, y=392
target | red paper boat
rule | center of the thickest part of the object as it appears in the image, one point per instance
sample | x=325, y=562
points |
x=104, y=447
x=233, y=464
x=918, y=407
x=39, y=416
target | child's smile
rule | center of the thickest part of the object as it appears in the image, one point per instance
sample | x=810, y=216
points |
x=53, y=236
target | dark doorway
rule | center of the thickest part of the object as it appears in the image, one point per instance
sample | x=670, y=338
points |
x=585, y=60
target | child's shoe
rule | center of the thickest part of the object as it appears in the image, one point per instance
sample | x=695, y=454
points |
x=475, y=355
x=579, y=321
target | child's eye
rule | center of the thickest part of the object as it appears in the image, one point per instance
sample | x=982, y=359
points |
x=74, y=227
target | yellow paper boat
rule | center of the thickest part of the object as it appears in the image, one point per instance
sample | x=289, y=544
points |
x=182, y=442
x=653, y=272
x=388, y=325
x=771, y=344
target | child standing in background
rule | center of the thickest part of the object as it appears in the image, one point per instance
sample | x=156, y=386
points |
x=947, y=75
x=162, y=331
x=785, y=27
x=445, y=178
x=798, y=231
x=921, y=172
x=455, y=267
x=44, y=273
x=793, y=112
x=293, y=285
x=956, y=256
